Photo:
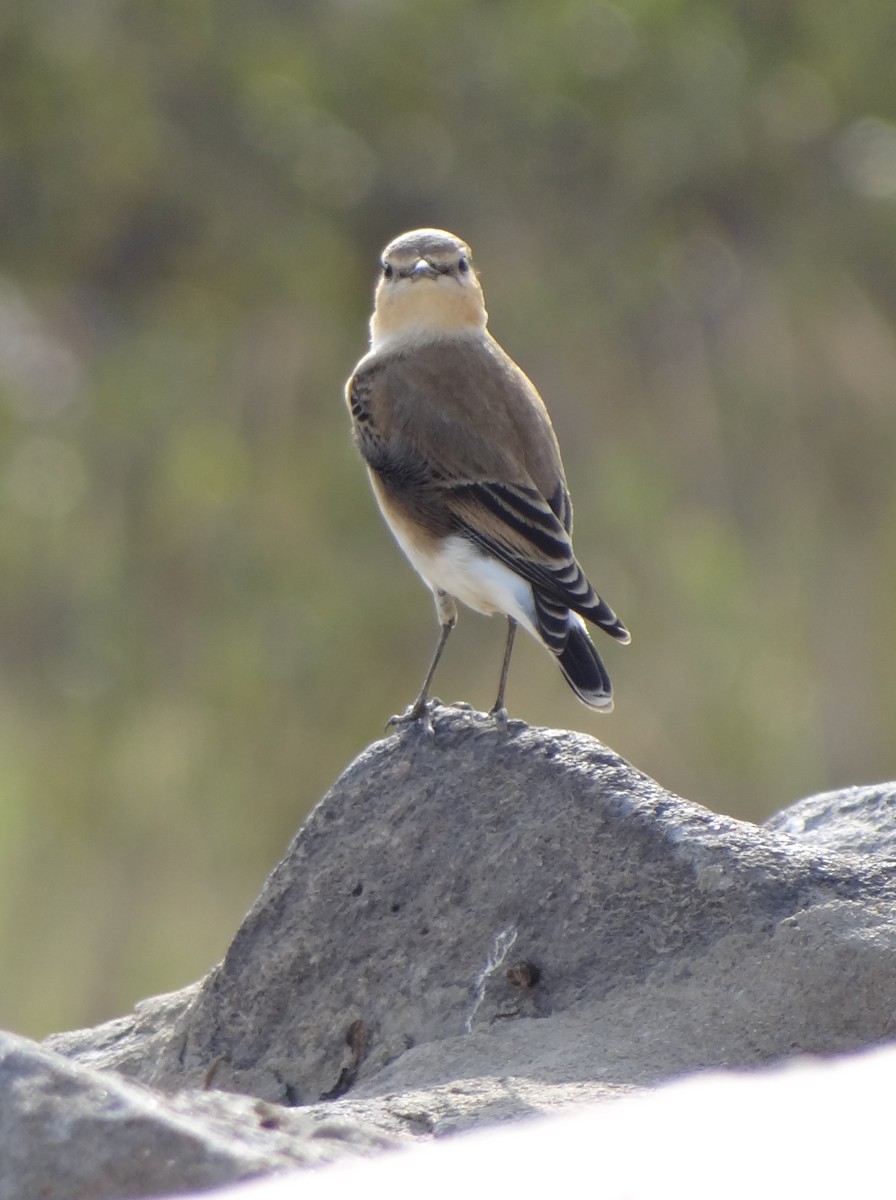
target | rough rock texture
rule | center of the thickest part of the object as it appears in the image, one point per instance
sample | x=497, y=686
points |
x=472, y=927
x=471, y=905
x=857, y=820
x=69, y=1133
x=811, y=1129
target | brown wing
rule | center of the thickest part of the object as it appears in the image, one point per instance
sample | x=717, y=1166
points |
x=517, y=525
x=458, y=436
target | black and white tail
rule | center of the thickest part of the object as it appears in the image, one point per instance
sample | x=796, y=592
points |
x=583, y=669
x=565, y=635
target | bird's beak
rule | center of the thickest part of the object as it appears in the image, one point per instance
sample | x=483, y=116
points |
x=423, y=268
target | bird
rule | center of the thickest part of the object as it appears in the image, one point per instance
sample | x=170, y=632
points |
x=465, y=466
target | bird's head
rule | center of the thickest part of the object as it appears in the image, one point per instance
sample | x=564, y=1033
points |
x=427, y=289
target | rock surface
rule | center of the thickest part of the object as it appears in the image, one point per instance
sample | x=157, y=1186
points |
x=819, y=1129
x=471, y=927
x=69, y=1133
x=476, y=903
x=857, y=820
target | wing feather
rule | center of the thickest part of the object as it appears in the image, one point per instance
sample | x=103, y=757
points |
x=421, y=431
x=516, y=524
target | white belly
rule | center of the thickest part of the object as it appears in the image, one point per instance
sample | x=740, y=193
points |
x=477, y=580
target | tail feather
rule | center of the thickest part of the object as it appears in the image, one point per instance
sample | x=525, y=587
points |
x=576, y=592
x=583, y=669
x=601, y=614
x=565, y=635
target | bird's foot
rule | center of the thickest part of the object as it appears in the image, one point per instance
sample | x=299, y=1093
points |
x=499, y=716
x=419, y=714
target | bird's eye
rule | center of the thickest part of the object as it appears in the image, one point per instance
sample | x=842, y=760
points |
x=387, y=271
x=463, y=266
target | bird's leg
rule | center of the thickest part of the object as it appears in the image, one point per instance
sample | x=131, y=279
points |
x=499, y=712
x=421, y=708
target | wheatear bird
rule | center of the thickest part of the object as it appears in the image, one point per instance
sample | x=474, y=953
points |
x=466, y=469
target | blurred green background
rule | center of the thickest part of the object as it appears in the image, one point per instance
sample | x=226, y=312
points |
x=684, y=215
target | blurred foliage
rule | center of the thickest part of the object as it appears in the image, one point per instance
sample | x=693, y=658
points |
x=685, y=217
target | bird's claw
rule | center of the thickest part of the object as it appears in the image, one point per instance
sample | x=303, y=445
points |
x=419, y=714
x=499, y=715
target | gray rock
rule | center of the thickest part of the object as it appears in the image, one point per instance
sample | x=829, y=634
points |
x=856, y=820
x=68, y=1132
x=819, y=1129
x=71, y=1133
x=127, y=1043
x=473, y=909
